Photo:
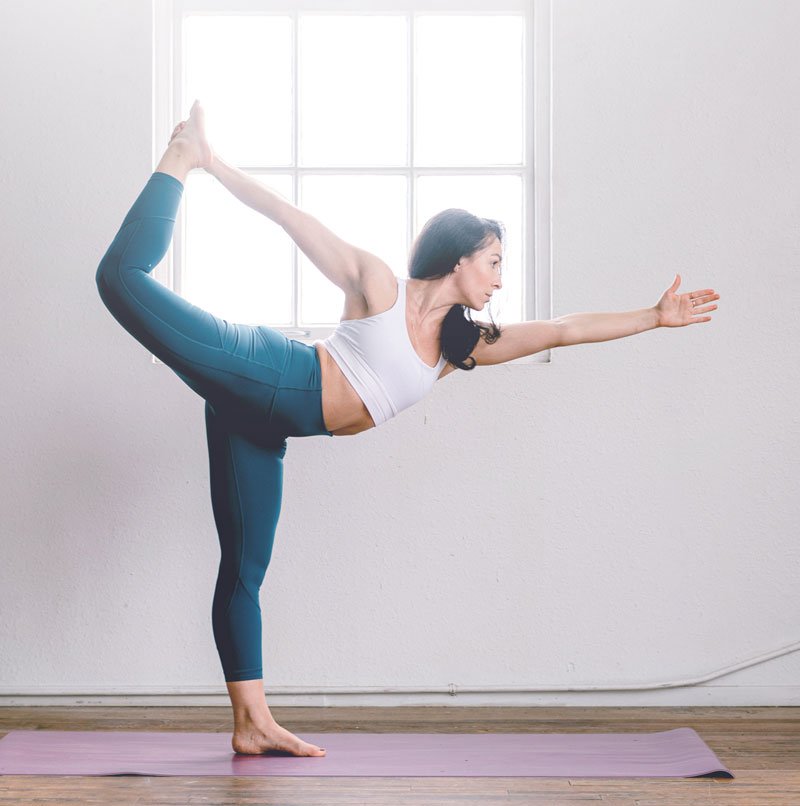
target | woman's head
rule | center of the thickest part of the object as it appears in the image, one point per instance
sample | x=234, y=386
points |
x=458, y=242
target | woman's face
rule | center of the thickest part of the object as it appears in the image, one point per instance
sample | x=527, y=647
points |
x=483, y=273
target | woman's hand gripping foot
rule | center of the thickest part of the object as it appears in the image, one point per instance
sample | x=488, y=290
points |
x=190, y=136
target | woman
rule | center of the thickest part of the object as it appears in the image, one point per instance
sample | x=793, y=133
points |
x=261, y=387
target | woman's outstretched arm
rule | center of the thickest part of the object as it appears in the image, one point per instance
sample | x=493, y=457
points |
x=672, y=310
x=583, y=328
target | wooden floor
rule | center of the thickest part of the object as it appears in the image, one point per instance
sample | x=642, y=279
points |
x=760, y=745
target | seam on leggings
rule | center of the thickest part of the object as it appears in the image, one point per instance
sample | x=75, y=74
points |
x=175, y=330
x=241, y=521
x=287, y=355
x=145, y=217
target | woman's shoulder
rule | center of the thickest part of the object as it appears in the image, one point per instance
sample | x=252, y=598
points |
x=375, y=292
x=379, y=285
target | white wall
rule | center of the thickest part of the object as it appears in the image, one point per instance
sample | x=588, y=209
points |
x=623, y=517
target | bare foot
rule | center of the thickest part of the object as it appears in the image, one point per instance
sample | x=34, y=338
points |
x=253, y=740
x=191, y=134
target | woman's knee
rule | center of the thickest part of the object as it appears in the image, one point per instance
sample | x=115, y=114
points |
x=108, y=275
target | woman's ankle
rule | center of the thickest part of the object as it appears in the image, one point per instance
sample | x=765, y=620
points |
x=176, y=162
x=249, y=703
x=260, y=720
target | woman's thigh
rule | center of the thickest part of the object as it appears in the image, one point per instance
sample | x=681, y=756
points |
x=222, y=361
x=269, y=381
x=246, y=480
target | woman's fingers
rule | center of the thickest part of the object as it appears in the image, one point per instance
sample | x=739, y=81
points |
x=177, y=129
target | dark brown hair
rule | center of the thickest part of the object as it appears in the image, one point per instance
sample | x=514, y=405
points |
x=442, y=242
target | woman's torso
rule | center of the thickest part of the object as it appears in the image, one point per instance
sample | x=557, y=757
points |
x=343, y=410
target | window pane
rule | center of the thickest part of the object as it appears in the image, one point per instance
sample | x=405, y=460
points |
x=468, y=87
x=367, y=211
x=353, y=90
x=496, y=197
x=238, y=264
x=241, y=70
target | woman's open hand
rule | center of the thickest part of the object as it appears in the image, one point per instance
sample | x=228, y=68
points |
x=677, y=310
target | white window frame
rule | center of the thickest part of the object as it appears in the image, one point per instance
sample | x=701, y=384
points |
x=536, y=236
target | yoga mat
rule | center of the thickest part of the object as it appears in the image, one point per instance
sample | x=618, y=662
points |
x=672, y=753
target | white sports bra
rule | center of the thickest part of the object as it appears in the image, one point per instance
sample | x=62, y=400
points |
x=376, y=355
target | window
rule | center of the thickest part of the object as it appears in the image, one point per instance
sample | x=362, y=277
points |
x=373, y=116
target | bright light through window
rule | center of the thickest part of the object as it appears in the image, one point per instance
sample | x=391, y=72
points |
x=372, y=122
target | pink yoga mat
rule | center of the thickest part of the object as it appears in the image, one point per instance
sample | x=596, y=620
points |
x=671, y=753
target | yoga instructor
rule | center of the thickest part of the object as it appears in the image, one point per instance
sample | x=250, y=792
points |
x=397, y=337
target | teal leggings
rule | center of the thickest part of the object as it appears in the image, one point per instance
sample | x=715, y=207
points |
x=259, y=387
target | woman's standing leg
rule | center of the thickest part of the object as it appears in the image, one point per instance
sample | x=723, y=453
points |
x=246, y=490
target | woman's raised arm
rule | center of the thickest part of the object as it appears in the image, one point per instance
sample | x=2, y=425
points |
x=250, y=191
x=337, y=259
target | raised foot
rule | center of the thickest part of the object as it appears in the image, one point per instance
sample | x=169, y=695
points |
x=255, y=741
x=190, y=135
